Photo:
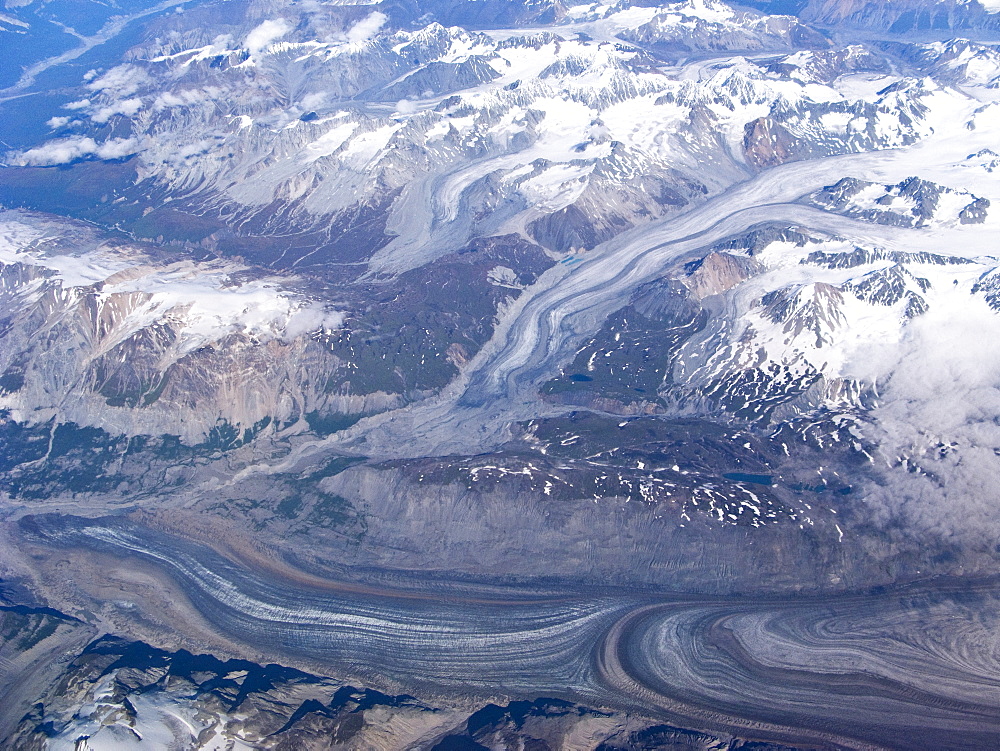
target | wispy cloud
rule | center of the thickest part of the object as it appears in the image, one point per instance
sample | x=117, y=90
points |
x=127, y=107
x=265, y=34
x=366, y=28
x=66, y=150
x=121, y=81
x=937, y=425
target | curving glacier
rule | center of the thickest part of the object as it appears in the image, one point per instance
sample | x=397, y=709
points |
x=499, y=374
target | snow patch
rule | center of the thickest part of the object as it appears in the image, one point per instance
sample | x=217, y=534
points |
x=203, y=302
x=330, y=141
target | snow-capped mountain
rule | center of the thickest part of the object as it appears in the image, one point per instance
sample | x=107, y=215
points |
x=810, y=333
x=384, y=166
x=911, y=203
x=921, y=17
x=356, y=145
x=96, y=326
x=430, y=344
x=956, y=62
x=353, y=136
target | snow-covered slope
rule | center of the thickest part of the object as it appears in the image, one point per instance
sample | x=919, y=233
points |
x=323, y=301
x=403, y=144
x=357, y=145
x=98, y=332
x=869, y=338
x=911, y=203
x=957, y=61
x=894, y=17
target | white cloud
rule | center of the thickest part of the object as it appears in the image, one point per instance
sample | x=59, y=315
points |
x=265, y=34
x=121, y=81
x=366, y=28
x=67, y=150
x=937, y=425
x=116, y=148
x=57, y=122
x=127, y=107
x=168, y=99
x=313, y=101
x=184, y=97
x=57, y=152
x=310, y=318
